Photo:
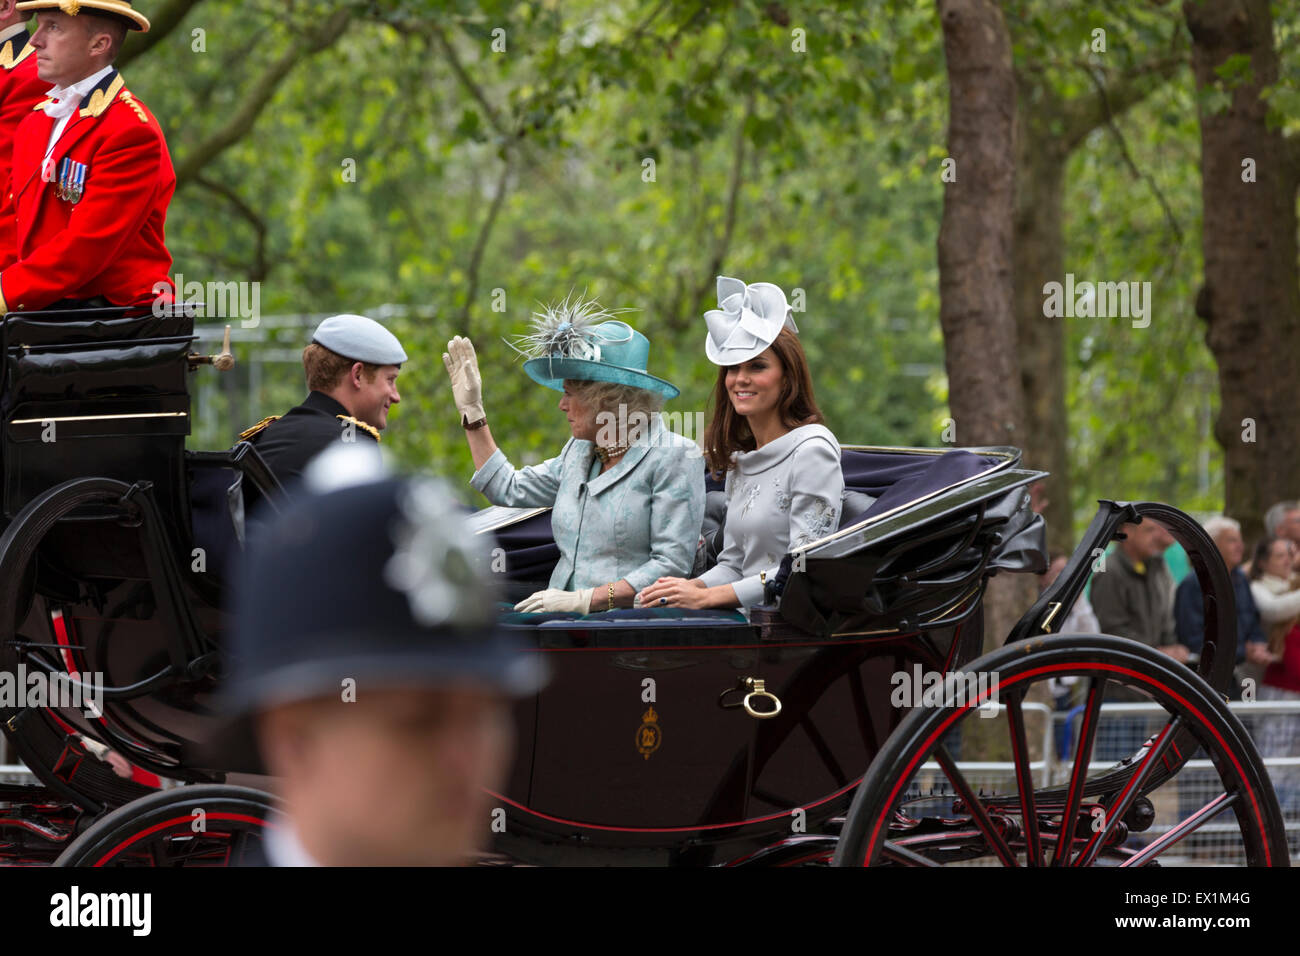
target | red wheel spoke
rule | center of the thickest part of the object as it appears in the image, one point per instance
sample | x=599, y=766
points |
x=1079, y=773
x=1174, y=834
x=1130, y=792
x=979, y=815
x=1024, y=779
x=919, y=796
x=899, y=854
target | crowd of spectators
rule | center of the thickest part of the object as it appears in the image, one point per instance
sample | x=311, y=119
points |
x=1134, y=594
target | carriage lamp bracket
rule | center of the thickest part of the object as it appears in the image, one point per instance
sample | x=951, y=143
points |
x=752, y=688
x=222, y=361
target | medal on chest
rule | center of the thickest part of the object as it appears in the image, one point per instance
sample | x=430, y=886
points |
x=72, y=181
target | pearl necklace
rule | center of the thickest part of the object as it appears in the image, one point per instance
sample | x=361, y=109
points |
x=605, y=454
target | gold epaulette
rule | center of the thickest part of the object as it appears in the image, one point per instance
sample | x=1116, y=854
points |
x=370, y=430
x=252, y=430
x=129, y=100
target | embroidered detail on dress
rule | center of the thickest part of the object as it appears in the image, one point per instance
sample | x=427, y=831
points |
x=818, y=522
x=782, y=499
x=751, y=495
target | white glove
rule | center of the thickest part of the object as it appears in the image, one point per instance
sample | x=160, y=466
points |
x=466, y=382
x=553, y=599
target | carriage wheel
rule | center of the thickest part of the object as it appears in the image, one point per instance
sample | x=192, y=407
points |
x=46, y=738
x=1099, y=811
x=200, y=825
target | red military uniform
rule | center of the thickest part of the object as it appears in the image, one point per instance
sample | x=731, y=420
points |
x=20, y=90
x=91, y=223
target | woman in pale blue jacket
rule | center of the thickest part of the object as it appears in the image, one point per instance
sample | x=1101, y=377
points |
x=627, y=494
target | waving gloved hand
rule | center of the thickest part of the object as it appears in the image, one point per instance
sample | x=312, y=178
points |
x=553, y=599
x=466, y=382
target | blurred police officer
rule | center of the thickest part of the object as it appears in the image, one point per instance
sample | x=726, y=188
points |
x=352, y=365
x=369, y=675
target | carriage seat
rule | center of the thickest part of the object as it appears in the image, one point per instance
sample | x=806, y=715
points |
x=95, y=392
x=217, y=516
x=895, y=484
x=874, y=483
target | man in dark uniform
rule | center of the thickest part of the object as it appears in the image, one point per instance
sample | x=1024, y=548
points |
x=352, y=365
x=20, y=90
x=370, y=676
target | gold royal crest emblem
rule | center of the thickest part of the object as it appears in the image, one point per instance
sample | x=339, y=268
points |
x=648, y=735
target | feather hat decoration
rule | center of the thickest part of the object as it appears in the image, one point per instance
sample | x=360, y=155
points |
x=571, y=329
x=579, y=339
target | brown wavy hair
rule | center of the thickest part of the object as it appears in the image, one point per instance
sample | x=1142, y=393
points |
x=728, y=432
x=326, y=369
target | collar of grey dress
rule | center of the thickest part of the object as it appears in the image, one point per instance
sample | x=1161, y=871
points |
x=778, y=450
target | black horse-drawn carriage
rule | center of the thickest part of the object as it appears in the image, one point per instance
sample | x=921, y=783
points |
x=664, y=737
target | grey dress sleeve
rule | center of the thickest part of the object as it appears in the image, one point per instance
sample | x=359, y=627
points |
x=816, y=492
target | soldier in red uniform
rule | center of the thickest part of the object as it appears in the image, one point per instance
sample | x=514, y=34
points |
x=92, y=176
x=20, y=90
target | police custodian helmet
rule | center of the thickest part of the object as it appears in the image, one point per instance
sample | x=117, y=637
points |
x=378, y=582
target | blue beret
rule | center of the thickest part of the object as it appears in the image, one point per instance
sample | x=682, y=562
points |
x=360, y=339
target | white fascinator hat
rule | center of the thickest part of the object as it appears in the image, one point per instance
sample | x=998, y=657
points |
x=747, y=320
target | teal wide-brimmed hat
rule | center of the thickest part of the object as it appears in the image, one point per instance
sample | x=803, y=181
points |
x=566, y=344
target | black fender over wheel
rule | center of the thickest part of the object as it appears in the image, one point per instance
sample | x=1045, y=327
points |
x=1088, y=819
x=199, y=825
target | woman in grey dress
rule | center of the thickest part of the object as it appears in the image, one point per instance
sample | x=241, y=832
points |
x=782, y=465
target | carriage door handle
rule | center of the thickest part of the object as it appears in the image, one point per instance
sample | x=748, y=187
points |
x=753, y=688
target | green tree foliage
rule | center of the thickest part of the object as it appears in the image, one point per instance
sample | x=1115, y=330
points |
x=431, y=154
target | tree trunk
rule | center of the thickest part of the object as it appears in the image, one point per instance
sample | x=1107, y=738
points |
x=1039, y=256
x=1250, y=299
x=976, y=310
x=975, y=287
x=1048, y=131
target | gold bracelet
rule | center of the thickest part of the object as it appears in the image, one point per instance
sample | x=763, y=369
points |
x=611, y=596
